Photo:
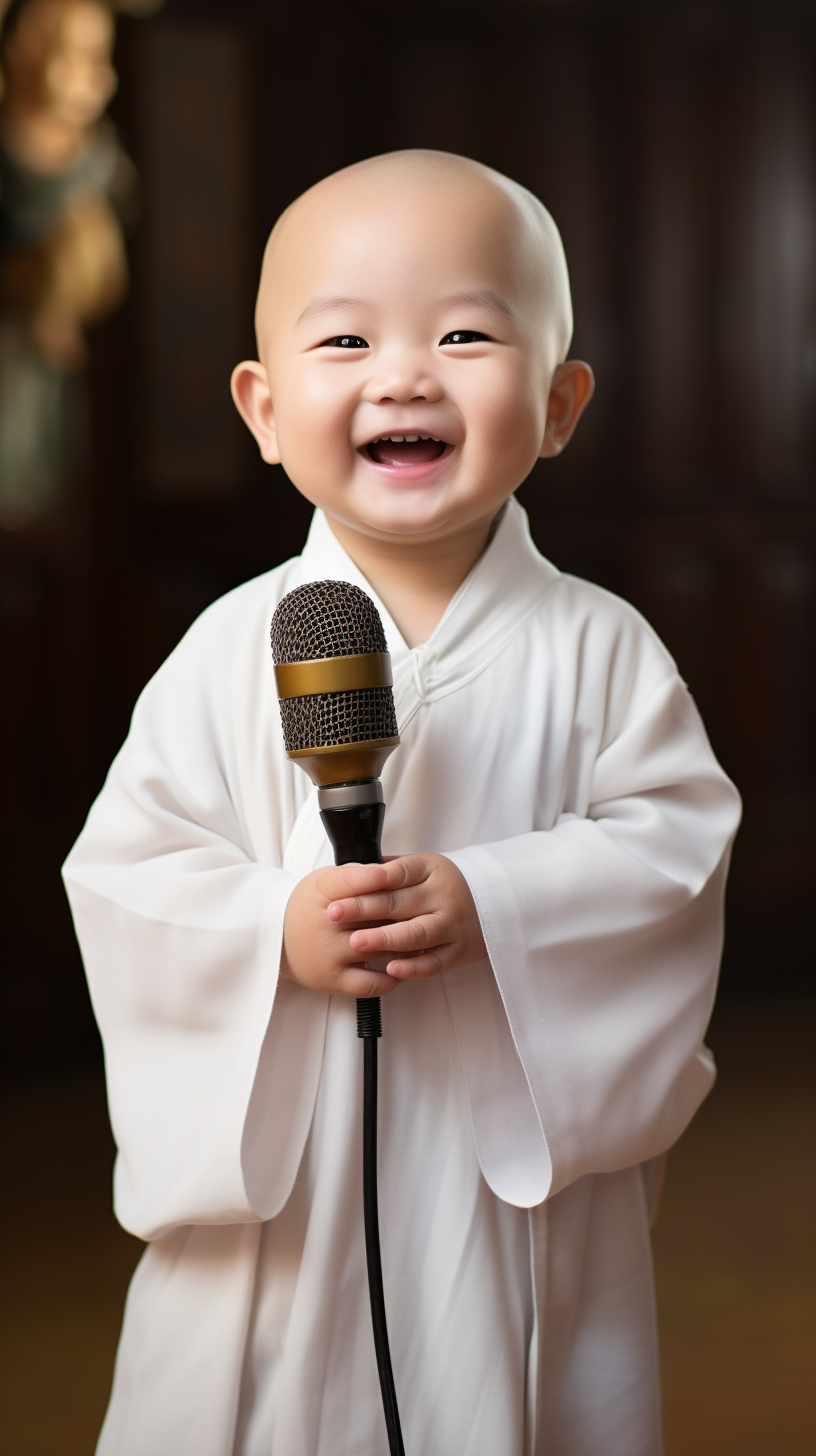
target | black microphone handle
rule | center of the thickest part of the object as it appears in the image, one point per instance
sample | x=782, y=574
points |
x=355, y=834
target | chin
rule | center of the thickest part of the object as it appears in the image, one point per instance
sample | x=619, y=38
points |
x=416, y=527
x=405, y=515
x=422, y=517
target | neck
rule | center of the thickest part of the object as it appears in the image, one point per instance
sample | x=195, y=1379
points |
x=415, y=582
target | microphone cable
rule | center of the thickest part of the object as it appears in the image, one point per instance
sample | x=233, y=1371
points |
x=369, y=1027
x=355, y=833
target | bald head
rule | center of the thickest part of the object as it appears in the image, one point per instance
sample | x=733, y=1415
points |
x=413, y=321
x=432, y=198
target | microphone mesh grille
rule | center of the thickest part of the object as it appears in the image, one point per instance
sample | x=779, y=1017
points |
x=331, y=619
x=325, y=619
x=327, y=720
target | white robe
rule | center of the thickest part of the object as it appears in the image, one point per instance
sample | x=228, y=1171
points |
x=551, y=750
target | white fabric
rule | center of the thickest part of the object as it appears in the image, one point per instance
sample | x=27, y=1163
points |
x=551, y=750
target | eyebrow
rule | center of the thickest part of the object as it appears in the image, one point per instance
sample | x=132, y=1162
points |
x=326, y=304
x=482, y=298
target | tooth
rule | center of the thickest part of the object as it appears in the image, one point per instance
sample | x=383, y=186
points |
x=411, y=439
x=397, y=439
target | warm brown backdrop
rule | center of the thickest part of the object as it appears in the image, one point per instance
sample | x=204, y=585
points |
x=676, y=146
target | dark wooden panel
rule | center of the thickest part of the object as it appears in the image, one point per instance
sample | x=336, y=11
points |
x=676, y=147
x=194, y=253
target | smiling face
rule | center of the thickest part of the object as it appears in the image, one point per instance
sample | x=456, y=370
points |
x=410, y=320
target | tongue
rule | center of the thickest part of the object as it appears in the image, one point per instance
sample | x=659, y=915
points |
x=420, y=452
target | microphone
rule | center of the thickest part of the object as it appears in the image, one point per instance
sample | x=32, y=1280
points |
x=333, y=675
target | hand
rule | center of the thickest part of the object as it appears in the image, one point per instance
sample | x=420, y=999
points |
x=431, y=925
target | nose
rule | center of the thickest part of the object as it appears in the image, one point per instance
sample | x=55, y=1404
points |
x=403, y=381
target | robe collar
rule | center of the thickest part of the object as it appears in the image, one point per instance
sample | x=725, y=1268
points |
x=497, y=597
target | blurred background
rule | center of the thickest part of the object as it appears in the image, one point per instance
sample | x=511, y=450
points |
x=675, y=145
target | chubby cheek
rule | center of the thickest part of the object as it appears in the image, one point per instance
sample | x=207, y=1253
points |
x=506, y=416
x=312, y=425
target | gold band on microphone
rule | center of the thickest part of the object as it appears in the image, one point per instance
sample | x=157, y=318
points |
x=333, y=675
x=345, y=762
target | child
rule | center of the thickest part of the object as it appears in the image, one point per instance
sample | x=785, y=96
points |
x=552, y=915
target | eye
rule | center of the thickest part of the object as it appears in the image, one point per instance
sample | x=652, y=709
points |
x=344, y=341
x=464, y=336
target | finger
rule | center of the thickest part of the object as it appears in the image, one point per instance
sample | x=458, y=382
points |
x=421, y=933
x=395, y=874
x=409, y=869
x=362, y=982
x=346, y=881
x=422, y=967
x=387, y=905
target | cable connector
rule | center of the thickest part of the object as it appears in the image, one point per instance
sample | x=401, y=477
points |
x=369, y=1019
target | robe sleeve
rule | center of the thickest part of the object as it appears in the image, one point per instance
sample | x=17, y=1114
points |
x=604, y=934
x=180, y=928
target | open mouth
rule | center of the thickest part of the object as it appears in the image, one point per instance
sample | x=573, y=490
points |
x=400, y=450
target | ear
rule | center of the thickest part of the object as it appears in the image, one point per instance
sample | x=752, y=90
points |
x=250, y=390
x=572, y=387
